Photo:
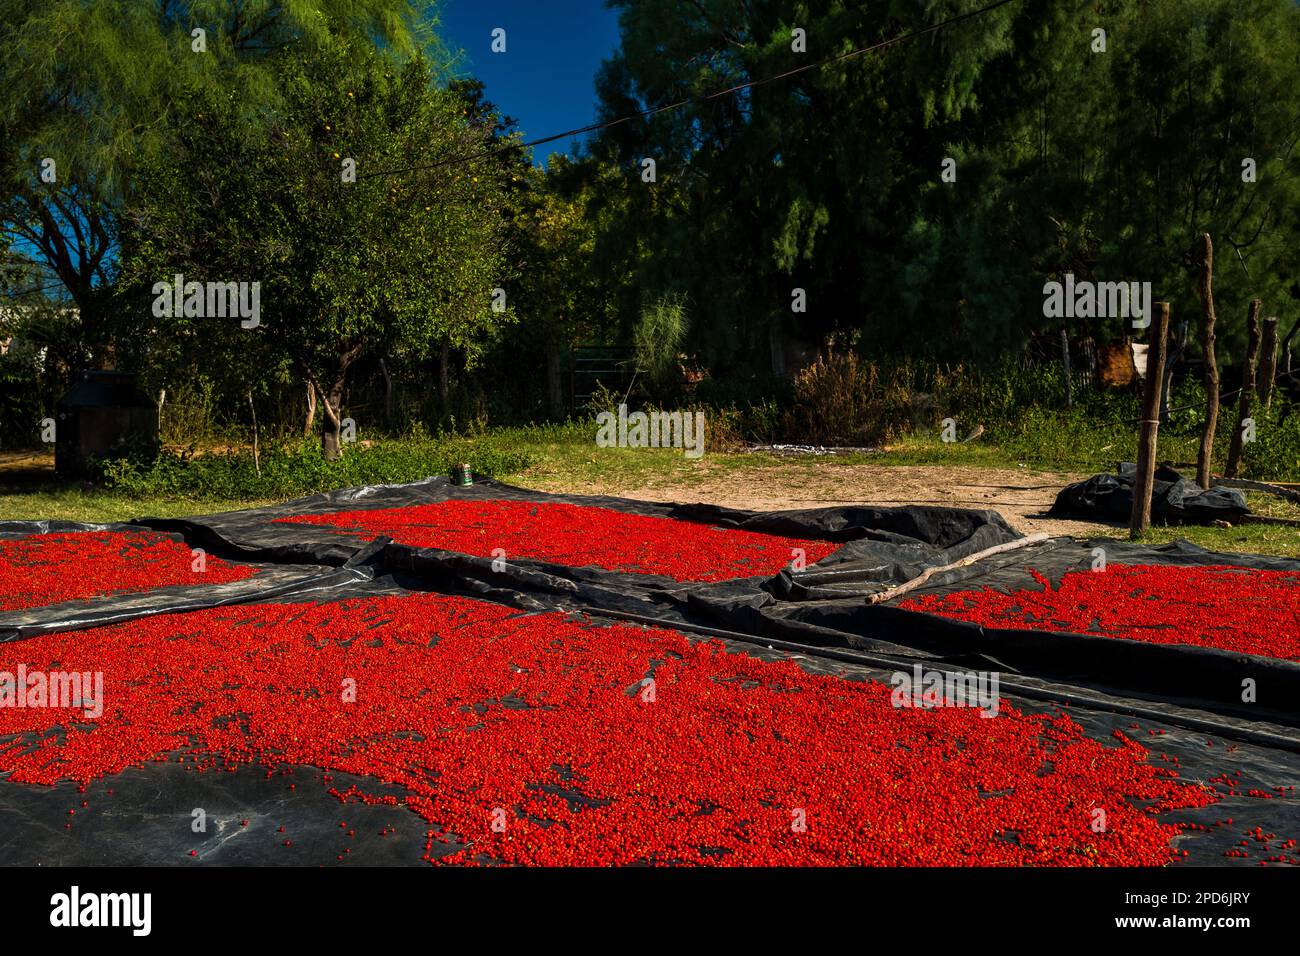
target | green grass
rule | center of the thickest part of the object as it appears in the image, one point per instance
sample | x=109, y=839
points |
x=1248, y=539
x=1057, y=441
x=75, y=504
x=565, y=457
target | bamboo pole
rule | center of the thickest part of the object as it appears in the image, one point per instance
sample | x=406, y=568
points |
x=1247, y=388
x=1144, y=480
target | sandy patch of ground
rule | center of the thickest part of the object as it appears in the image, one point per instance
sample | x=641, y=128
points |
x=1020, y=495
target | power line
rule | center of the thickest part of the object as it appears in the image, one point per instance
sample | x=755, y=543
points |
x=702, y=98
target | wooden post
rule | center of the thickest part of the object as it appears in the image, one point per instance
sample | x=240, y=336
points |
x=311, y=411
x=1065, y=361
x=1247, y=387
x=257, y=460
x=1286, y=347
x=1205, y=460
x=1144, y=480
x=1268, y=362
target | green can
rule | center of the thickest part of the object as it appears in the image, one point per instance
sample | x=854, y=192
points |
x=462, y=476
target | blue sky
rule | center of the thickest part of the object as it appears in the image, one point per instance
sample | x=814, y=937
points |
x=546, y=77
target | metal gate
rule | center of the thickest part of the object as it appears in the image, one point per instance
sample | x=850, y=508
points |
x=613, y=366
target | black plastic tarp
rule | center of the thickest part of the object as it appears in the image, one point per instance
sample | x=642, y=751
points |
x=269, y=581
x=1174, y=499
x=824, y=605
x=820, y=616
x=143, y=815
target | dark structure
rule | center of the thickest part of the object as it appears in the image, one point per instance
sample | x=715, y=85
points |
x=101, y=416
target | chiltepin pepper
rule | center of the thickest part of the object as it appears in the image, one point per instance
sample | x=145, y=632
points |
x=580, y=535
x=34, y=569
x=859, y=772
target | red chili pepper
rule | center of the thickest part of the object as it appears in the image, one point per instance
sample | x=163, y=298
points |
x=1232, y=608
x=517, y=713
x=50, y=568
x=579, y=535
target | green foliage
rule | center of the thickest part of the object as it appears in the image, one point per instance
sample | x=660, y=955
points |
x=658, y=337
x=21, y=409
x=226, y=166
x=99, y=88
x=1107, y=165
x=400, y=261
x=1275, y=453
x=295, y=469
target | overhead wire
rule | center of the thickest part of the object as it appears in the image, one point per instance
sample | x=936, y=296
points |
x=699, y=98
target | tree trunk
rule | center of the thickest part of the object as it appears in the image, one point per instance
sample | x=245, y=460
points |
x=444, y=376
x=332, y=434
x=1286, y=347
x=1268, y=362
x=388, y=394
x=1205, y=459
x=332, y=445
x=331, y=440
x=307, y=427
x=1247, y=389
x=776, y=344
x=331, y=426
x=257, y=460
x=1065, y=363
x=554, y=382
x=1176, y=347
x=1144, y=480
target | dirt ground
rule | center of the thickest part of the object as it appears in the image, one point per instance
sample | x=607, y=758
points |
x=1020, y=495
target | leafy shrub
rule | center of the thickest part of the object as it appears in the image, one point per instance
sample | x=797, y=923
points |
x=20, y=402
x=296, y=469
x=839, y=400
x=658, y=337
x=1275, y=453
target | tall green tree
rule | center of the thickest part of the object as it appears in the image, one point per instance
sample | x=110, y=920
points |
x=785, y=186
x=91, y=91
x=402, y=257
x=1066, y=155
